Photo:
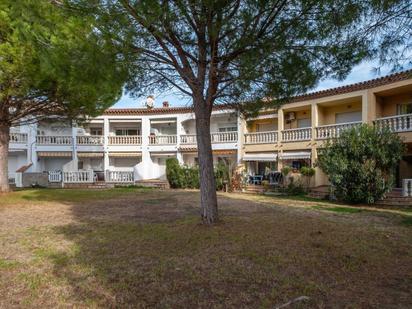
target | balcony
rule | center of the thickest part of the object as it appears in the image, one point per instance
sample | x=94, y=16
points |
x=261, y=137
x=334, y=130
x=188, y=139
x=94, y=140
x=223, y=137
x=125, y=140
x=54, y=140
x=216, y=138
x=163, y=139
x=297, y=135
x=18, y=138
x=396, y=124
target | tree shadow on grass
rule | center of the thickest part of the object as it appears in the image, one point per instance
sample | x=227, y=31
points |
x=151, y=251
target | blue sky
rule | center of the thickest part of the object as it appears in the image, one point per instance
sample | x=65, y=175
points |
x=361, y=72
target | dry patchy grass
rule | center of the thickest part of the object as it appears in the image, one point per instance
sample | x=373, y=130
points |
x=146, y=248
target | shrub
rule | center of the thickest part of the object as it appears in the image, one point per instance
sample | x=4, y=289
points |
x=295, y=188
x=222, y=175
x=174, y=173
x=361, y=163
x=308, y=173
x=286, y=170
x=191, y=177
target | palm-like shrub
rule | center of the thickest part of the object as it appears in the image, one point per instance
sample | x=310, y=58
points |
x=361, y=163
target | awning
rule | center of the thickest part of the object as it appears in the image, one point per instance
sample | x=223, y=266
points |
x=295, y=155
x=54, y=154
x=270, y=156
x=125, y=154
x=223, y=152
x=90, y=154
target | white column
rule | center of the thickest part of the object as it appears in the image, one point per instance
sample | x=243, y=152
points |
x=145, y=169
x=179, y=131
x=31, y=146
x=74, y=142
x=106, y=130
x=240, y=136
x=365, y=108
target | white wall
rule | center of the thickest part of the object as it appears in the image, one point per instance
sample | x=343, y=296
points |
x=123, y=164
x=17, y=160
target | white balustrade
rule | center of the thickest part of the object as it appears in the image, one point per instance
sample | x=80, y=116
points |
x=334, y=130
x=162, y=139
x=90, y=140
x=120, y=176
x=18, y=138
x=400, y=123
x=295, y=135
x=53, y=140
x=261, y=137
x=125, y=140
x=188, y=139
x=407, y=187
x=224, y=137
x=78, y=177
x=55, y=176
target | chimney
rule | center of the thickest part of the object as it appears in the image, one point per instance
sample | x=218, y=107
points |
x=165, y=104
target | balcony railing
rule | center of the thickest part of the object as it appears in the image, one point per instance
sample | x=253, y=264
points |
x=53, y=140
x=188, y=139
x=400, y=123
x=224, y=137
x=90, y=140
x=296, y=135
x=18, y=138
x=334, y=130
x=261, y=137
x=125, y=140
x=55, y=176
x=162, y=139
x=120, y=176
x=78, y=177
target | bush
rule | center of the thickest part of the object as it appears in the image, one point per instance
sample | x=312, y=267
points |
x=286, y=170
x=361, y=163
x=307, y=171
x=191, y=177
x=222, y=175
x=295, y=188
x=174, y=173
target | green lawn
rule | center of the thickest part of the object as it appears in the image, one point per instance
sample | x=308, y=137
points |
x=129, y=247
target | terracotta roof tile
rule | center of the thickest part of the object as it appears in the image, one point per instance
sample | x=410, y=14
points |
x=385, y=80
x=396, y=77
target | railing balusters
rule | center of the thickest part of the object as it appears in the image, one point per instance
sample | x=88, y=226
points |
x=294, y=135
x=334, y=130
x=399, y=123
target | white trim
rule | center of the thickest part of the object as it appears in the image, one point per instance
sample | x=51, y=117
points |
x=260, y=157
x=292, y=155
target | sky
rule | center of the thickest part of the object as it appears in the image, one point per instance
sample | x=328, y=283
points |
x=363, y=71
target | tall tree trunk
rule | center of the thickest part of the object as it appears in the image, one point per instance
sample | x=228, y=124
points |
x=4, y=157
x=208, y=198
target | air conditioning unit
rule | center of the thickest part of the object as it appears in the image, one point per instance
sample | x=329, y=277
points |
x=290, y=117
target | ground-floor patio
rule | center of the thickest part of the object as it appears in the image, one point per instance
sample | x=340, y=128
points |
x=130, y=247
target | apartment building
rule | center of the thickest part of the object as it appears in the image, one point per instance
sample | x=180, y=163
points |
x=127, y=145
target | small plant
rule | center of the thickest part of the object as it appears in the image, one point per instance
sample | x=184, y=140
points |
x=308, y=173
x=265, y=185
x=295, y=188
x=286, y=170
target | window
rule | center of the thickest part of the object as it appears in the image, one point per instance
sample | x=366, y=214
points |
x=96, y=131
x=403, y=109
x=348, y=117
x=228, y=129
x=122, y=132
x=80, y=165
x=304, y=123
